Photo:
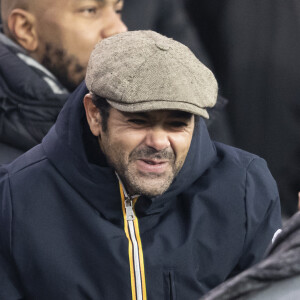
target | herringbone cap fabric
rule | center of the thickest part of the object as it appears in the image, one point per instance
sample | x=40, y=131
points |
x=140, y=71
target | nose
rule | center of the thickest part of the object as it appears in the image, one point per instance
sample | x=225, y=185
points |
x=157, y=138
x=113, y=24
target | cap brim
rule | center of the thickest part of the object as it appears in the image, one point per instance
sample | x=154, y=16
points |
x=159, y=105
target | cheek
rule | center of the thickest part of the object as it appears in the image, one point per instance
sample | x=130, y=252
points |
x=50, y=25
x=126, y=146
x=120, y=145
x=131, y=143
x=72, y=37
x=81, y=30
x=50, y=33
x=70, y=34
x=129, y=139
x=181, y=145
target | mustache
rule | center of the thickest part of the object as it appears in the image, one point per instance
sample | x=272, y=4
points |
x=151, y=153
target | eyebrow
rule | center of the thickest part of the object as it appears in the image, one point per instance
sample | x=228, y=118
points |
x=173, y=114
x=114, y=2
x=180, y=114
x=103, y=1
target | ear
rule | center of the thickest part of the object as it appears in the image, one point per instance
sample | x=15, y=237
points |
x=93, y=115
x=21, y=25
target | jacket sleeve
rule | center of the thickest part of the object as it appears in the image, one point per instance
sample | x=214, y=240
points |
x=263, y=214
x=9, y=282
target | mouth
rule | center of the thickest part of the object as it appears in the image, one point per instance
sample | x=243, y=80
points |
x=154, y=161
x=152, y=165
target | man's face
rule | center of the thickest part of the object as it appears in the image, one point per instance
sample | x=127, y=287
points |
x=68, y=31
x=147, y=150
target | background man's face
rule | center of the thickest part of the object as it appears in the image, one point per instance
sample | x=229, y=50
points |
x=147, y=149
x=68, y=31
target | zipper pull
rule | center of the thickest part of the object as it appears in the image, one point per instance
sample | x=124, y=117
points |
x=129, y=210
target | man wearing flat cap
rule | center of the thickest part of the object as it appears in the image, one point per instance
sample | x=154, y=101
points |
x=127, y=197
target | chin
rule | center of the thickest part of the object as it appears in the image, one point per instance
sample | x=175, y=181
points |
x=151, y=192
x=150, y=185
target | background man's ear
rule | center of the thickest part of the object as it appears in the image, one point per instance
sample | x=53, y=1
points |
x=22, y=29
x=93, y=115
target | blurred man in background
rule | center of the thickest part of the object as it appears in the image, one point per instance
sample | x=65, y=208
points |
x=44, y=50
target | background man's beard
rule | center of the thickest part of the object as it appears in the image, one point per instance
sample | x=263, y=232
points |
x=61, y=65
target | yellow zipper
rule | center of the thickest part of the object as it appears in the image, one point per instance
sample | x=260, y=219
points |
x=135, y=250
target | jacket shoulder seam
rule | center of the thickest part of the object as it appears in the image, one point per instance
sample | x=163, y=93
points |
x=26, y=166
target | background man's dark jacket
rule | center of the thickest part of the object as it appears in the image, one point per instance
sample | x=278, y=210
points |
x=62, y=229
x=30, y=100
x=254, y=48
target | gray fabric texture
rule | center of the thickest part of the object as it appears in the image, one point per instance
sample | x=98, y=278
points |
x=282, y=263
x=288, y=289
x=125, y=68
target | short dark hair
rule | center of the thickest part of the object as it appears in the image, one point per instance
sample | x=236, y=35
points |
x=104, y=108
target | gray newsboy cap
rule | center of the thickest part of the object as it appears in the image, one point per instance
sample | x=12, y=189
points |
x=142, y=70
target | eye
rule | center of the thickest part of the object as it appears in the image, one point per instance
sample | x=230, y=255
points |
x=119, y=7
x=137, y=121
x=177, y=124
x=87, y=11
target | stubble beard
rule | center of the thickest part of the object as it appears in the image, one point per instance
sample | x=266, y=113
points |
x=66, y=68
x=147, y=184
